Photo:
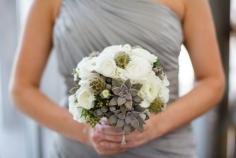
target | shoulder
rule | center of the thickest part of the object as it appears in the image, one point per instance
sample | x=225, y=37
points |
x=183, y=7
x=46, y=7
x=56, y=4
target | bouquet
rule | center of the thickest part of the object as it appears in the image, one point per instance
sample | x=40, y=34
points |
x=123, y=84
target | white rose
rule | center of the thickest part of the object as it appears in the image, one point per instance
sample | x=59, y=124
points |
x=84, y=97
x=137, y=69
x=151, y=88
x=145, y=104
x=144, y=54
x=86, y=66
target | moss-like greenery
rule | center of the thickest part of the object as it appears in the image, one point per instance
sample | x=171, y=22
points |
x=90, y=118
x=122, y=59
x=156, y=106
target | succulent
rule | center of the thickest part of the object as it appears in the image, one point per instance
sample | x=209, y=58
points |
x=129, y=122
x=118, y=101
x=122, y=59
x=156, y=106
x=124, y=94
x=97, y=84
x=124, y=105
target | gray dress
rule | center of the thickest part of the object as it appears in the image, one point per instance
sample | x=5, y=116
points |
x=84, y=26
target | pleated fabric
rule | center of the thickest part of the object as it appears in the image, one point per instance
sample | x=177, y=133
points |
x=85, y=26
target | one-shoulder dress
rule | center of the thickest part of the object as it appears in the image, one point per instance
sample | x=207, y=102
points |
x=85, y=26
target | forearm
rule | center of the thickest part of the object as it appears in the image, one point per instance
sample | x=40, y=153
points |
x=204, y=96
x=43, y=110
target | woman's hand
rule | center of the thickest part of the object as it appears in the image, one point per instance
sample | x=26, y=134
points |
x=105, y=140
x=108, y=135
x=137, y=138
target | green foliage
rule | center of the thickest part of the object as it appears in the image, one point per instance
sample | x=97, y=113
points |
x=90, y=117
x=157, y=63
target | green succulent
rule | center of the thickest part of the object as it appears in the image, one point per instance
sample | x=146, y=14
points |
x=156, y=106
x=122, y=59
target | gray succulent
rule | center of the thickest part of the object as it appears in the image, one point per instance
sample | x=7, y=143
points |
x=125, y=94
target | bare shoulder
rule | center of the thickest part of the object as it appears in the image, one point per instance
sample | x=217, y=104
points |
x=56, y=5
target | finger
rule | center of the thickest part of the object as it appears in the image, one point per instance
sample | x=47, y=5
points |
x=110, y=152
x=132, y=144
x=134, y=136
x=110, y=145
x=96, y=136
x=106, y=129
x=111, y=138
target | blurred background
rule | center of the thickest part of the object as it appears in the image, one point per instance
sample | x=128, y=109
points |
x=20, y=137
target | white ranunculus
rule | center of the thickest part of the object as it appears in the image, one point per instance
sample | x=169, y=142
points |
x=127, y=48
x=114, y=49
x=137, y=69
x=86, y=66
x=164, y=93
x=85, y=97
x=144, y=54
x=151, y=87
x=106, y=67
x=145, y=104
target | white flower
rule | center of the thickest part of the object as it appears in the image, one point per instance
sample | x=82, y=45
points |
x=86, y=66
x=151, y=87
x=114, y=49
x=137, y=69
x=145, y=104
x=84, y=97
x=106, y=66
x=73, y=102
x=77, y=116
x=144, y=54
x=76, y=112
x=164, y=93
x=76, y=74
x=86, y=82
x=165, y=81
x=105, y=93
